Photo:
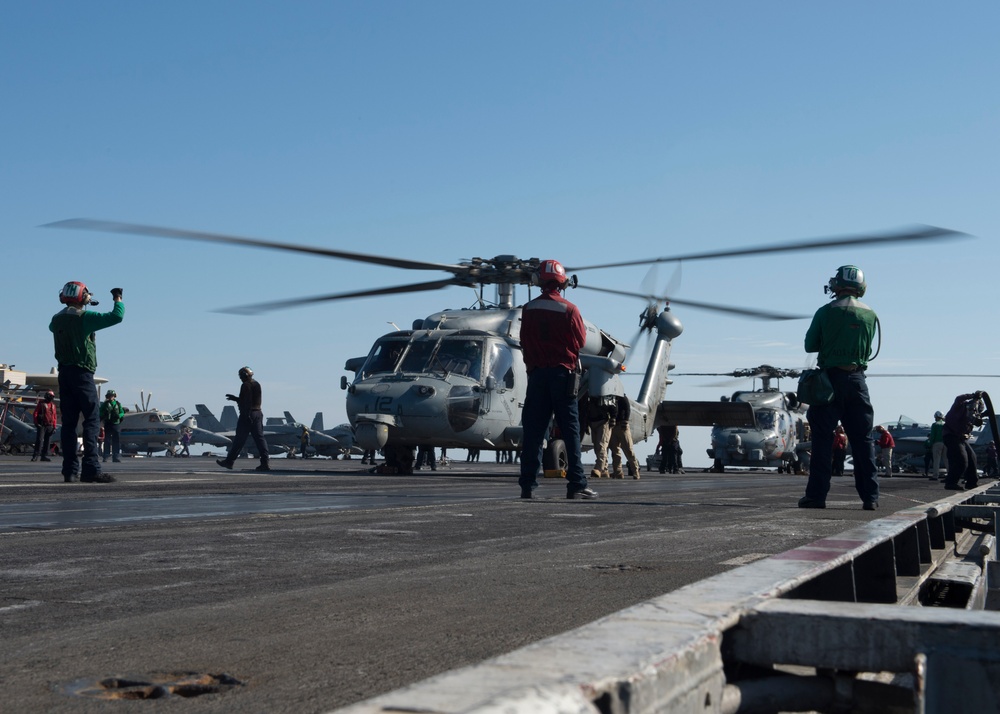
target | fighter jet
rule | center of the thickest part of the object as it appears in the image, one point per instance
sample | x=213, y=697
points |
x=342, y=434
x=281, y=437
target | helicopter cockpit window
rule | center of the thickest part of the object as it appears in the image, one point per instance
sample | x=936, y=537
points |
x=501, y=364
x=384, y=357
x=462, y=356
x=765, y=419
x=418, y=357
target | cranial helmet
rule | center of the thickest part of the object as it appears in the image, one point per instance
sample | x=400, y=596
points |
x=938, y=415
x=551, y=271
x=74, y=293
x=111, y=394
x=245, y=373
x=50, y=395
x=849, y=279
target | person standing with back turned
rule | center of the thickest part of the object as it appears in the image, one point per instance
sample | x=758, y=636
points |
x=842, y=332
x=76, y=353
x=552, y=335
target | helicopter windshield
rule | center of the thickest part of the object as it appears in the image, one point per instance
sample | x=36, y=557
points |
x=462, y=356
x=384, y=356
x=765, y=419
x=450, y=355
x=418, y=356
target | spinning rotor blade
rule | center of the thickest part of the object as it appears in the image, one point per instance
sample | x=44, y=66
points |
x=906, y=234
x=90, y=224
x=705, y=374
x=736, y=378
x=260, y=307
x=758, y=314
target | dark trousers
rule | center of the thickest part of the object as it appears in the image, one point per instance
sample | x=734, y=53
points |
x=961, y=462
x=547, y=395
x=839, y=458
x=668, y=458
x=851, y=407
x=78, y=398
x=249, y=425
x=426, y=453
x=112, y=440
x=43, y=434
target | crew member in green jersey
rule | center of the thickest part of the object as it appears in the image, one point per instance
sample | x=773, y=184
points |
x=112, y=414
x=76, y=354
x=842, y=332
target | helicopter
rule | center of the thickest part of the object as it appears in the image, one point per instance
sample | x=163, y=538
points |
x=779, y=436
x=456, y=378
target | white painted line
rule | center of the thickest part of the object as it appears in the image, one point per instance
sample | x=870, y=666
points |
x=22, y=606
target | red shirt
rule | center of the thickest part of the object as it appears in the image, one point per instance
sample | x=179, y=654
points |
x=552, y=332
x=840, y=441
x=885, y=440
x=45, y=413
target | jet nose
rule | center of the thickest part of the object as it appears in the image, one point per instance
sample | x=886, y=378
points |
x=318, y=437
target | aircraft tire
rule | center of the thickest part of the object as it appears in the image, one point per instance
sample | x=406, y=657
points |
x=555, y=456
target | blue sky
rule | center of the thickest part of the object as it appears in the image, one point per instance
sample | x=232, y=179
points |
x=440, y=131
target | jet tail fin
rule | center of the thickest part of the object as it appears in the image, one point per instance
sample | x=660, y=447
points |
x=207, y=420
x=317, y=424
x=229, y=418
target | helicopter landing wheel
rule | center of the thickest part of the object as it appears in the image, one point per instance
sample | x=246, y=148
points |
x=554, y=457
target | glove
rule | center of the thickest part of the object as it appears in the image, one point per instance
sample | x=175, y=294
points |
x=116, y=293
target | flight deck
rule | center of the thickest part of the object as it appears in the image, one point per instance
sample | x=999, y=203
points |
x=320, y=584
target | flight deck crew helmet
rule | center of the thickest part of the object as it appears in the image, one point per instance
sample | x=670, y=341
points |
x=850, y=279
x=551, y=271
x=245, y=373
x=74, y=293
x=50, y=395
x=111, y=394
x=938, y=415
